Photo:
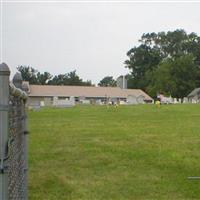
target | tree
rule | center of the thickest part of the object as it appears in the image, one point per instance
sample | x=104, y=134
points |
x=141, y=60
x=175, y=77
x=107, y=81
x=70, y=78
x=73, y=79
x=157, y=51
x=28, y=74
x=57, y=80
x=33, y=76
x=87, y=83
x=44, y=78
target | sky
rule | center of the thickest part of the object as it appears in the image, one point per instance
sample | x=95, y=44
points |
x=89, y=37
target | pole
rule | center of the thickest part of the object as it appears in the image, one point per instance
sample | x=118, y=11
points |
x=17, y=81
x=4, y=128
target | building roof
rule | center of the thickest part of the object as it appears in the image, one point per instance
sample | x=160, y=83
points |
x=137, y=93
x=86, y=91
x=194, y=92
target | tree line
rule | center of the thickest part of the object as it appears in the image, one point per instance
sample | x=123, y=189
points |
x=165, y=62
x=35, y=77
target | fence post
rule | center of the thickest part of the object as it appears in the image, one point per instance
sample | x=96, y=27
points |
x=4, y=128
x=17, y=81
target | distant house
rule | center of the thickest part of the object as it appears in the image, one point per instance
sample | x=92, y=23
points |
x=47, y=93
x=194, y=96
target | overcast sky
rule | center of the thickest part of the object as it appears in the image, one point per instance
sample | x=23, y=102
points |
x=91, y=37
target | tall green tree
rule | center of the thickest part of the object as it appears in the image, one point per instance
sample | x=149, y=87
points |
x=142, y=59
x=150, y=61
x=107, y=81
x=175, y=77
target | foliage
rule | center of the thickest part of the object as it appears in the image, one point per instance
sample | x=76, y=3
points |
x=107, y=81
x=129, y=152
x=175, y=77
x=34, y=77
x=159, y=50
x=70, y=78
x=28, y=74
x=44, y=78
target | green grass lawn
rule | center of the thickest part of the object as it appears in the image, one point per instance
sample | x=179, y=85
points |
x=129, y=152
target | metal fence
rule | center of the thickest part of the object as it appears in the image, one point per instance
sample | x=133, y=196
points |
x=13, y=137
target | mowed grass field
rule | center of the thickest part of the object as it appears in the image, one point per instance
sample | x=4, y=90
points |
x=129, y=152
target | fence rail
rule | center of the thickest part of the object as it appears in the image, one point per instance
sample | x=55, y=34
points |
x=13, y=137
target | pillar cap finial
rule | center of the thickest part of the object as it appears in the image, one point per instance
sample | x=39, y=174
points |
x=4, y=69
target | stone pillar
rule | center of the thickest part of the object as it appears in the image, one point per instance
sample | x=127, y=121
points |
x=4, y=128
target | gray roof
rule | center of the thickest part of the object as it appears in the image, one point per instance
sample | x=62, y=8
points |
x=195, y=92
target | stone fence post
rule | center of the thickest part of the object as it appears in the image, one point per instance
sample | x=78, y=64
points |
x=4, y=128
